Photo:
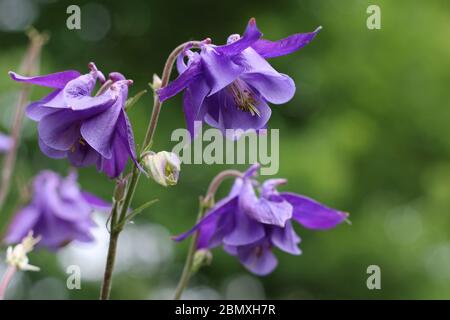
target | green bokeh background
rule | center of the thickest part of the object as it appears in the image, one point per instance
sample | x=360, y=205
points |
x=367, y=132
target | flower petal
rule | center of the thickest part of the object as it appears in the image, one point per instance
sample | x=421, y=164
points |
x=193, y=103
x=22, y=223
x=36, y=110
x=50, y=152
x=258, y=259
x=115, y=165
x=96, y=202
x=6, y=143
x=99, y=131
x=55, y=80
x=77, y=94
x=276, y=88
x=285, y=238
x=312, y=214
x=82, y=155
x=219, y=70
x=263, y=210
x=245, y=231
x=272, y=49
x=251, y=35
x=60, y=130
x=207, y=225
x=181, y=82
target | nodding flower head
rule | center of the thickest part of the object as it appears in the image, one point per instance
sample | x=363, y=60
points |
x=250, y=223
x=86, y=129
x=229, y=86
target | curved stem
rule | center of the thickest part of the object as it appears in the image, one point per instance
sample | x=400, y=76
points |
x=117, y=226
x=204, y=204
x=10, y=271
x=164, y=81
x=29, y=65
x=217, y=181
x=187, y=269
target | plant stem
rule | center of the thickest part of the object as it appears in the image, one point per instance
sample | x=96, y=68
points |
x=29, y=65
x=187, y=269
x=111, y=257
x=164, y=81
x=9, y=274
x=117, y=226
x=204, y=204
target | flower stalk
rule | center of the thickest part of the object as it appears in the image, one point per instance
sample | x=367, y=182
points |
x=30, y=65
x=120, y=210
x=205, y=203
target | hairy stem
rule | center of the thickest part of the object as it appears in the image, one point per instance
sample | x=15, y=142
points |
x=187, y=269
x=29, y=65
x=116, y=226
x=7, y=277
x=204, y=204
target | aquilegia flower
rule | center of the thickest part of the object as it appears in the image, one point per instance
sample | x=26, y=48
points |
x=229, y=86
x=59, y=212
x=85, y=129
x=249, y=226
x=5, y=143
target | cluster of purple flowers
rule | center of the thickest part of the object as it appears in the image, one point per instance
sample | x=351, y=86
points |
x=226, y=86
x=249, y=226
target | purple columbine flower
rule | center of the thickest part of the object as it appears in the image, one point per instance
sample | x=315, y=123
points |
x=85, y=129
x=59, y=212
x=249, y=226
x=5, y=143
x=229, y=86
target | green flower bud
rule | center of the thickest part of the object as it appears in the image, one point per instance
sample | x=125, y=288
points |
x=163, y=167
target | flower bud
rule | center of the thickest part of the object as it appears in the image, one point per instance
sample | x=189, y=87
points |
x=17, y=256
x=157, y=83
x=163, y=167
x=202, y=257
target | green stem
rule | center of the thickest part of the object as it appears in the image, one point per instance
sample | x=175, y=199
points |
x=187, y=269
x=204, y=204
x=117, y=226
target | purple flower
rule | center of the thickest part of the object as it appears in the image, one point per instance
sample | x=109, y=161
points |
x=5, y=143
x=229, y=86
x=85, y=129
x=249, y=226
x=59, y=212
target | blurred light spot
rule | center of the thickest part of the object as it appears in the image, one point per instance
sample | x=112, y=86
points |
x=16, y=15
x=404, y=225
x=143, y=250
x=195, y=293
x=244, y=287
x=49, y=289
x=437, y=262
x=95, y=22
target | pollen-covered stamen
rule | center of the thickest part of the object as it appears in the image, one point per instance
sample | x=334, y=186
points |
x=244, y=97
x=80, y=141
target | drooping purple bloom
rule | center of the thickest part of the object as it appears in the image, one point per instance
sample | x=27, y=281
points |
x=249, y=226
x=59, y=212
x=5, y=143
x=85, y=129
x=230, y=86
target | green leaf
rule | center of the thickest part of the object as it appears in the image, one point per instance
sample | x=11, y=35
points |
x=133, y=100
x=135, y=212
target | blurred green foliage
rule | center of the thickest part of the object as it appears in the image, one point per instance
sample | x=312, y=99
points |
x=367, y=132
